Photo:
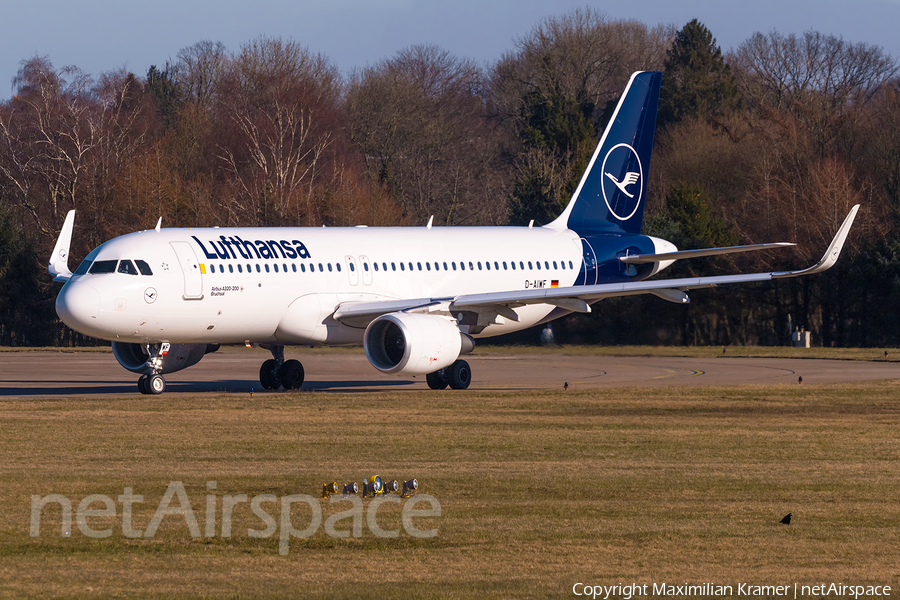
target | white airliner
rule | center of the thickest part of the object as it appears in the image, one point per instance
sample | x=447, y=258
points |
x=416, y=298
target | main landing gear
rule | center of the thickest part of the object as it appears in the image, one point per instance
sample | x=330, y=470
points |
x=277, y=372
x=458, y=376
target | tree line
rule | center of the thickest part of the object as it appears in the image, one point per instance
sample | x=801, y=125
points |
x=772, y=141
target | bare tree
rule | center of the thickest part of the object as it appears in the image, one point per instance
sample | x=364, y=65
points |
x=278, y=102
x=419, y=120
x=820, y=79
x=199, y=70
x=49, y=129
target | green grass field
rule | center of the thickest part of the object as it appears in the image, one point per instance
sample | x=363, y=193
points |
x=537, y=491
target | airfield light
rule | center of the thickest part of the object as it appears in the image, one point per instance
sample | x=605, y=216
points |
x=409, y=487
x=329, y=488
x=391, y=486
x=351, y=488
x=373, y=486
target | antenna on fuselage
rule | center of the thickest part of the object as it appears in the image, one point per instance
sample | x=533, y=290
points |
x=159, y=225
x=430, y=221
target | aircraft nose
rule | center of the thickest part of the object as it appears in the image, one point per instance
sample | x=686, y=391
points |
x=78, y=304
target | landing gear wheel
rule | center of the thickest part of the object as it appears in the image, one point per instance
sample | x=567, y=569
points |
x=268, y=375
x=436, y=380
x=291, y=374
x=156, y=384
x=142, y=384
x=459, y=375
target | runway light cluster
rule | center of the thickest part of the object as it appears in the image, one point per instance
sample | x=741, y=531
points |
x=372, y=486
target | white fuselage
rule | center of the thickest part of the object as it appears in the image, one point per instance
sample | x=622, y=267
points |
x=282, y=285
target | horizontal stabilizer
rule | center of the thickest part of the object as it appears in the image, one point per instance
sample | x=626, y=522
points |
x=652, y=258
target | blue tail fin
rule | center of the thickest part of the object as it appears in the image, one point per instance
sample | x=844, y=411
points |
x=611, y=195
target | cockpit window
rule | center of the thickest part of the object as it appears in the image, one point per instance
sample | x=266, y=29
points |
x=143, y=267
x=127, y=267
x=103, y=266
x=83, y=267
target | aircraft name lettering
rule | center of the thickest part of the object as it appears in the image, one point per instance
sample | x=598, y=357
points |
x=220, y=290
x=231, y=247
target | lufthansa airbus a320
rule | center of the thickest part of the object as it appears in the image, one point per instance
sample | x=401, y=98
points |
x=416, y=298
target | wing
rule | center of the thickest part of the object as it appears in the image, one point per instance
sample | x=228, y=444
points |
x=579, y=298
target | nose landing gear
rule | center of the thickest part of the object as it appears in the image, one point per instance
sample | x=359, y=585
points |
x=153, y=383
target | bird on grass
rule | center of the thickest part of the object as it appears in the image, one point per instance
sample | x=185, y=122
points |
x=787, y=519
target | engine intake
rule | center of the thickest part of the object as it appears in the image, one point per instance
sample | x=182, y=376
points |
x=136, y=358
x=414, y=344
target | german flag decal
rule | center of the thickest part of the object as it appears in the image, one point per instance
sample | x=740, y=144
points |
x=554, y=283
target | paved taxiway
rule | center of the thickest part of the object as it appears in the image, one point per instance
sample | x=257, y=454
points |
x=89, y=374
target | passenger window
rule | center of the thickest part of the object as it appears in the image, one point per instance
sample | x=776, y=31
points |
x=303, y=267
x=240, y=269
x=402, y=267
x=329, y=267
x=496, y=266
x=284, y=267
x=471, y=266
x=375, y=264
x=487, y=265
x=366, y=267
x=257, y=268
x=410, y=267
x=103, y=266
x=462, y=266
x=230, y=269
x=521, y=266
x=513, y=263
x=546, y=265
x=276, y=268
x=570, y=265
x=127, y=267
x=352, y=268
x=419, y=265
x=294, y=267
x=428, y=266
x=394, y=266
x=538, y=263
x=321, y=268
x=384, y=266
x=267, y=267
x=445, y=267
x=479, y=265
x=143, y=267
x=504, y=266
x=554, y=264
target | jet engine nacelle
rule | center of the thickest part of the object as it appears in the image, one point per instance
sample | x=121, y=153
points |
x=414, y=344
x=136, y=358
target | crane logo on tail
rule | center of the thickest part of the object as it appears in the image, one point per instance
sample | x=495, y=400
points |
x=622, y=181
x=630, y=178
